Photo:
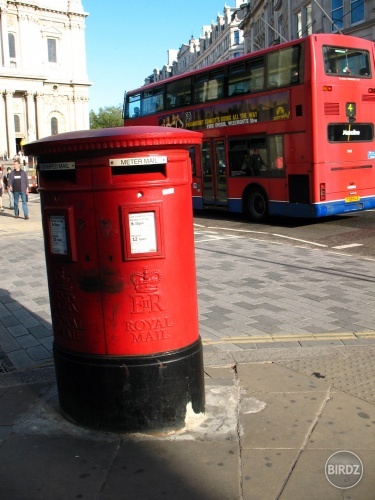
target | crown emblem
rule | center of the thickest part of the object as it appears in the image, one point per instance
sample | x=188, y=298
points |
x=147, y=281
x=63, y=281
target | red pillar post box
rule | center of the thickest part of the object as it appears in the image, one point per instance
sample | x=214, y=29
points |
x=119, y=243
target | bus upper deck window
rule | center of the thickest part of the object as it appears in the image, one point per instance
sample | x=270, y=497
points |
x=152, y=101
x=133, y=105
x=178, y=93
x=346, y=62
x=184, y=92
x=238, y=79
x=208, y=87
x=256, y=69
x=158, y=99
x=200, y=88
x=283, y=67
x=215, y=85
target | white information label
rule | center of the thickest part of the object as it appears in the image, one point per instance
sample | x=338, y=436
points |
x=58, y=234
x=142, y=232
x=141, y=161
x=70, y=165
x=168, y=191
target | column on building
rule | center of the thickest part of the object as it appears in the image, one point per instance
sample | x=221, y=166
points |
x=28, y=42
x=12, y=147
x=86, y=113
x=30, y=119
x=82, y=113
x=78, y=51
x=3, y=126
x=72, y=112
x=4, y=37
x=39, y=103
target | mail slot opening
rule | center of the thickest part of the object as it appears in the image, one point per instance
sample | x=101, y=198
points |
x=144, y=169
x=63, y=176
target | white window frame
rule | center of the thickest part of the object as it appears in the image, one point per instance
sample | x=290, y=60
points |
x=55, y=40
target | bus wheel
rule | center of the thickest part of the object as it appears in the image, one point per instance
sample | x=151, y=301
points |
x=257, y=205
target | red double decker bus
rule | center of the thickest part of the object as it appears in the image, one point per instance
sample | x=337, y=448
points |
x=288, y=130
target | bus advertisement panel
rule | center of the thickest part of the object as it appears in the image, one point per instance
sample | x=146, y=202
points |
x=287, y=130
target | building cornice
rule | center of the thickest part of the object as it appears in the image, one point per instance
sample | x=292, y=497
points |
x=34, y=5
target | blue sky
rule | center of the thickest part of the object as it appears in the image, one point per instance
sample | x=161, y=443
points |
x=126, y=40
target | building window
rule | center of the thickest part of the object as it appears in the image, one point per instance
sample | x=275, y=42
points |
x=308, y=19
x=304, y=21
x=357, y=11
x=337, y=14
x=12, y=45
x=52, y=55
x=54, y=126
x=236, y=37
x=299, y=24
x=17, y=124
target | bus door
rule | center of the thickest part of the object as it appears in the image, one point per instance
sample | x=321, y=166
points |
x=278, y=189
x=214, y=173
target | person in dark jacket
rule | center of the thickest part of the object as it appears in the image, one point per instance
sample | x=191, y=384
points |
x=256, y=162
x=7, y=189
x=18, y=185
x=2, y=188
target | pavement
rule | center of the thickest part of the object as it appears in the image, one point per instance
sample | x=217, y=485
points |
x=288, y=341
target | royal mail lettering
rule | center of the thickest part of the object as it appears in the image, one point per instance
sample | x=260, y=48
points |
x=66, y=301
x=149, y=336
x=141, y=325
x=70, y=328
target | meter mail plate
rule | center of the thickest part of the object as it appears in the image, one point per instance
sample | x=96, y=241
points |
x=139, y=161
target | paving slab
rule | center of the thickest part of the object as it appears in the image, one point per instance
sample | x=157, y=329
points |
x=308, y=478
x=53, y=467
x=183, y=470
x=285, y=422
x=265, y=471
x=16, y=401
x=272, y=377
x=346, y=421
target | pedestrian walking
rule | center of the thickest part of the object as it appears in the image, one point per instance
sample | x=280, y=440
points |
x=18, y=184
x=7, y=189
x=1, y=189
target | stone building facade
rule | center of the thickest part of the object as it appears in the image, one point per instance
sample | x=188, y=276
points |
x=268, y=23
x=43, y=79
x=219, y=41
x=251, y=26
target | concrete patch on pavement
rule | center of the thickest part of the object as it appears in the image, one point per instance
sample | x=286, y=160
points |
x=252, y=405
x=220, y=420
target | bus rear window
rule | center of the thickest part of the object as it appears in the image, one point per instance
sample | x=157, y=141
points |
x=346, y=62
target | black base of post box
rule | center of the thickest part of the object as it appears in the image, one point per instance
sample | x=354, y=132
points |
x=132, y=393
